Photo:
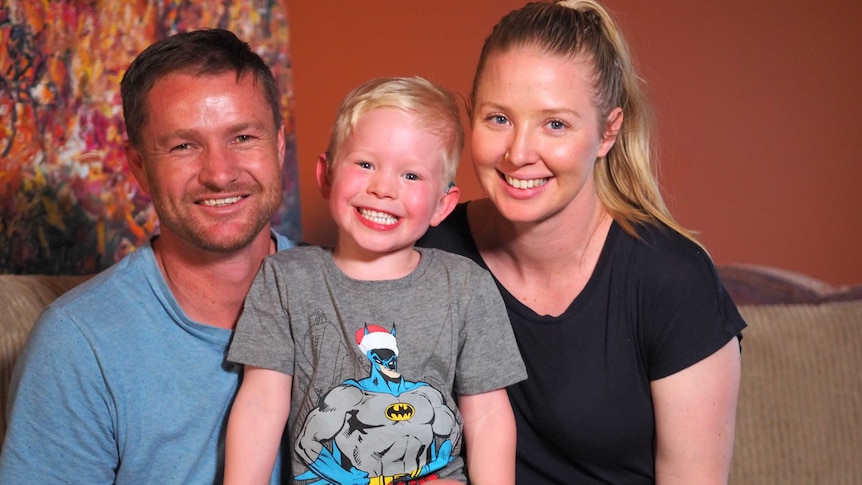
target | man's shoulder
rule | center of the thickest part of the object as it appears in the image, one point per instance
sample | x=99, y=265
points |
x=282, y=242
x=109, y=291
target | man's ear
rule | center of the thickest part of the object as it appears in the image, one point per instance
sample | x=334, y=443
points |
x=447, y=204
x=612, y=128
x=136, y=165
x=323, y=176
x=281, y=146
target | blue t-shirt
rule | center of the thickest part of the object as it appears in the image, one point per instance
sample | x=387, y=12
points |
x=117, y=385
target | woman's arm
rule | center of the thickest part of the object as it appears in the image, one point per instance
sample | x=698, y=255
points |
x=695, y=413
x=489, y=435
x=255, y=426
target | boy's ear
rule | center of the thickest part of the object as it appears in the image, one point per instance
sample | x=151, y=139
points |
x=323, y=176
x=136, y=165
x=447, y=204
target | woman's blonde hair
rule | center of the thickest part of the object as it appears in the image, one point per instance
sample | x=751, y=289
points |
x=626, y=183
x=434, y=107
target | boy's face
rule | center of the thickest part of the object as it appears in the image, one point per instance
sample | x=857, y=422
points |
x=386, y=185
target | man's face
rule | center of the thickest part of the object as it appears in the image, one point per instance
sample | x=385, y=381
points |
x=211, y=158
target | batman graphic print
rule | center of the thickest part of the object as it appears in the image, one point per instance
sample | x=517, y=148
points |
x=382, y=428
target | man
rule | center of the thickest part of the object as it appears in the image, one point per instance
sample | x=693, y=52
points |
x=123, y=380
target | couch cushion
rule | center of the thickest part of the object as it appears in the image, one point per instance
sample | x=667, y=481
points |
x=22, y=298
x=799, y=419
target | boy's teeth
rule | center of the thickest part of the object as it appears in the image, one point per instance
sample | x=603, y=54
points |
x=525, y=184
x=220, y=202
x=378, y=217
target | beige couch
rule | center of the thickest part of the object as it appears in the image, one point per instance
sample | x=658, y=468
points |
x=800, y=407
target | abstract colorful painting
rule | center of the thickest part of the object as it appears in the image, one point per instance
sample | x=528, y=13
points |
x=68, y=203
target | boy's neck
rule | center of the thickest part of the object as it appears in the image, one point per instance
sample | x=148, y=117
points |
x=361, y=264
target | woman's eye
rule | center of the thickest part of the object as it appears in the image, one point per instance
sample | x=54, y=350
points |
x=498, y=119
x=556, y=124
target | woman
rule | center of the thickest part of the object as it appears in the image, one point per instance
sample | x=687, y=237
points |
x=631, y=342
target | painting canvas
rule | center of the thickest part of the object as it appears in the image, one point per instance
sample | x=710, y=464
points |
x=68, y=203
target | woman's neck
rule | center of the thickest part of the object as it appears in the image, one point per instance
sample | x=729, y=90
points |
x=544, y=264
x=560, y=240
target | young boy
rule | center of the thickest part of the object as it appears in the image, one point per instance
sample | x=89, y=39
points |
x=318, y=333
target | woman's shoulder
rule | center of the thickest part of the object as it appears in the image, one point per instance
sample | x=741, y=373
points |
x=663, y=244
x=453, y=234
x=662, y=254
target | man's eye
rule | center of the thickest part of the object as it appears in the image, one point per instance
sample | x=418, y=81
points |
x=181, y=147
x=243, y=138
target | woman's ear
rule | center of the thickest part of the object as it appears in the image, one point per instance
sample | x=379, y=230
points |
x=323, y=176
x=447, y=204
x=613, y=125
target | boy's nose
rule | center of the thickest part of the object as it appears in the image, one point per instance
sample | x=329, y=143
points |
x=382, y=186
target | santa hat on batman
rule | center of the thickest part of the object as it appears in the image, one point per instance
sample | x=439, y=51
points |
x=376, y=337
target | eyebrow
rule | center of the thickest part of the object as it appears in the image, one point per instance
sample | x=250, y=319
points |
x=544, y=112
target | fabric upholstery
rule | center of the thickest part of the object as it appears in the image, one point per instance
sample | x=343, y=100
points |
x=22, y=298
x=799, y=416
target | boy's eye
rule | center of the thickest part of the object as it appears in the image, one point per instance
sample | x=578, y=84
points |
x=412, y=176
x=364, y=165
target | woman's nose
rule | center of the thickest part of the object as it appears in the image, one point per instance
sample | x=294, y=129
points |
x=522, y=148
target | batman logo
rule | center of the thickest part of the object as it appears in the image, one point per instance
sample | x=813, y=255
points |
x=400, y=411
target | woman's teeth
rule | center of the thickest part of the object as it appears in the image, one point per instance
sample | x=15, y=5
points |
x=525, y=184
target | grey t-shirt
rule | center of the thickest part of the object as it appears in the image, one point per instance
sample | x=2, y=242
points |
x=376, y=365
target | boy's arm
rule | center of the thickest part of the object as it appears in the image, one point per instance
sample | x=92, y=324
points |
x=489, y=435
x=257, y=421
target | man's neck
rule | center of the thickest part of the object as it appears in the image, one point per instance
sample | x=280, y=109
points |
x=210, y=286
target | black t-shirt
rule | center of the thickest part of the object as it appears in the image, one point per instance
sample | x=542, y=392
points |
x=653, y=306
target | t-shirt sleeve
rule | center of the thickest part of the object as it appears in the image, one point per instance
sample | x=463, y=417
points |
x=263, y=337
x=688, y=313
x=489, y=358
x=61, y=416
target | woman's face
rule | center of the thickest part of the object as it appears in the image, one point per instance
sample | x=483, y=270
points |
x=536, y=136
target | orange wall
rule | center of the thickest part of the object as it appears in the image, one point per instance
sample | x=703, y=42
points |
x=757, y=110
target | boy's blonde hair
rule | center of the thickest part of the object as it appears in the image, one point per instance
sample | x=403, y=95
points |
x=434, y=107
